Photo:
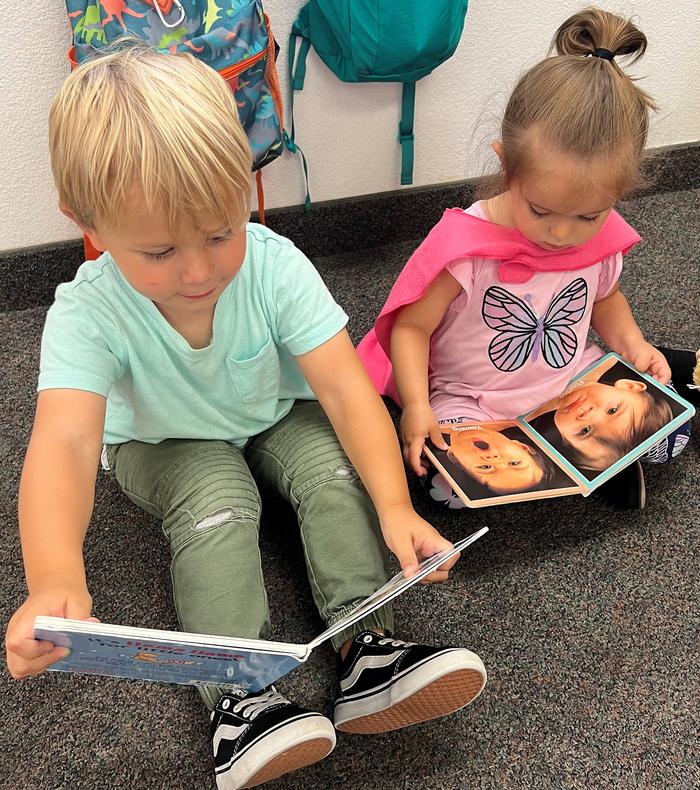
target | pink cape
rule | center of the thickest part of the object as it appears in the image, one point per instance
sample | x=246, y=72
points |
x=459, y=235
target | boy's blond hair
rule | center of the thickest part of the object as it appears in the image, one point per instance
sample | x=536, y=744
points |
x=134, y=120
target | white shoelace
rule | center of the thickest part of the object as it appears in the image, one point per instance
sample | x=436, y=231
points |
x=395, y=642
x=250, y=707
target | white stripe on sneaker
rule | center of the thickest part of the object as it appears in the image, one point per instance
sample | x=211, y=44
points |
x=228, y=731
x=397, y=675
x=283, y=746
x=406, y=684
x=265, y=735
x=368, y=662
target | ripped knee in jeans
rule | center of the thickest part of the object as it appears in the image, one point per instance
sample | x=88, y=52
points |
x=216, y=519
x=346, y=472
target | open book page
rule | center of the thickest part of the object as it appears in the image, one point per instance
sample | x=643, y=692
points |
x=395, y=586
x=607, y=417
x=494, y=463
x=168, y=656
x=198, y=659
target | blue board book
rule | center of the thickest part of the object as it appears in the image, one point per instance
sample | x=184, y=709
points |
x=198, y=659
x=607, y=417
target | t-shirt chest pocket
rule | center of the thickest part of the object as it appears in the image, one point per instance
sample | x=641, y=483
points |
x=256, y=377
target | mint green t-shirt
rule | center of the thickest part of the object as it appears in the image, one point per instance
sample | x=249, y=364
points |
x=102, y=336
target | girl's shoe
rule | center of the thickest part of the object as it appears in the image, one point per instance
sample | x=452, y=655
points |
x=386, y=684
x=685, y=372
x=258, y=737
x=626, y=490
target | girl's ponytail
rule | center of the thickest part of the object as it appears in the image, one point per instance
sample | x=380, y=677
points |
x=582, y=103
x=593, y=29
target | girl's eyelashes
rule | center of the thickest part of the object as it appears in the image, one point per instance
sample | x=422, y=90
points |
x=613, y=409
x=539, y=213
x=585, y=430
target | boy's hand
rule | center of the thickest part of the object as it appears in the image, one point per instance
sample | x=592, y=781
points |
x=649, y=360
x=412, y=539
x=28, y=656
x=418, y=422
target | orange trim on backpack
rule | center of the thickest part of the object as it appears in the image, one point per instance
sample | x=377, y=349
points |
x=271, y=74
x=91, y=253
x=231, y=73
x=261, y=197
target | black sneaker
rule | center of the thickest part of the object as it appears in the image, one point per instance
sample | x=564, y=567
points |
x=386, y=684
x=626, y=490
x=683, y=364
x=258, y=737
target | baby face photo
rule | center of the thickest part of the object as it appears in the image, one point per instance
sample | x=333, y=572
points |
x=498, y=459
x=604, y=416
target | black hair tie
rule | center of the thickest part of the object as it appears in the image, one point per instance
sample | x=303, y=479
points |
x=606, y=54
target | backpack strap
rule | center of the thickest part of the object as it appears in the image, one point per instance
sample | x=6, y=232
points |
x=296, y=82
x=261, y=196
x=408, y=104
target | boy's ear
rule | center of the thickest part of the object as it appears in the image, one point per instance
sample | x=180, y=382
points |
x=527, y=447
x=631, y=385
x=91, y=233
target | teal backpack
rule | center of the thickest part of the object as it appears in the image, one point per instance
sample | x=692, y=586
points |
x=377, y=41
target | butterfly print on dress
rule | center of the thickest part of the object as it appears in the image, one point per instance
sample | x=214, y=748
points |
x=521, y=333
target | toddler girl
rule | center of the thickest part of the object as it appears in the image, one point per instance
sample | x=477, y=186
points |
x=489, y=317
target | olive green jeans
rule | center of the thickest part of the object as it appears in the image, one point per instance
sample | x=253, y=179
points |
x=206, y=494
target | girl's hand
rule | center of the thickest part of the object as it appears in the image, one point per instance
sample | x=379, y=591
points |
x=418, y=422
x=29, y=656
x=649, y=360
x=412, y=539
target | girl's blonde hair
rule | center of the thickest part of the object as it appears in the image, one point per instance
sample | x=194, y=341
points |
x=582, y=105
x=165, y=125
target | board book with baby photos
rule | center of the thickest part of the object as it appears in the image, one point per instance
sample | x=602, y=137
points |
x=606, y=418
x=200, y=659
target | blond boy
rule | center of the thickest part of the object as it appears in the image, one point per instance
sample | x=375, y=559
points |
x=204, y=353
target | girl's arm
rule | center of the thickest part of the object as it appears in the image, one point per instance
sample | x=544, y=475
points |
x=612, y=319
x=56, y=497
x=410, y=348
x=367, y=435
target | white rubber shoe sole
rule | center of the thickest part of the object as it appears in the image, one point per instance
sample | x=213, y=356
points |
x=440, y=686
x=292, y=746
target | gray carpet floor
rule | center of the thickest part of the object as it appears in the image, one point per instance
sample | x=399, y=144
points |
x=587, y=620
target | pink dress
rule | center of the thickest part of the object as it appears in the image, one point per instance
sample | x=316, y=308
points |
x=516, y=333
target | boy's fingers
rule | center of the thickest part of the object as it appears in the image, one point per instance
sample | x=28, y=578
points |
x=78, y=609
x=435, y=577
x=24, y=669
x=30, y=649
x=406, y=556
x=449, y=563
x=435, y=545
x=431, y=542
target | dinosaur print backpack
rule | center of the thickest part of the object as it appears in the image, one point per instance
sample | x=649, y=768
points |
x=231, y=36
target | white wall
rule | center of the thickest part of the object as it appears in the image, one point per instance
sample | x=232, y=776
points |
x=348, y=132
